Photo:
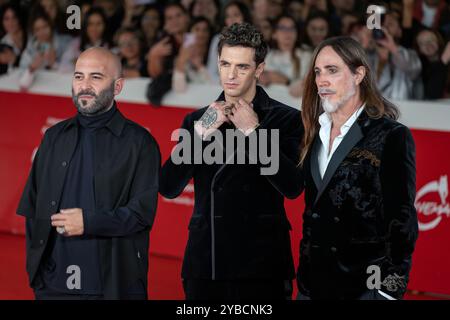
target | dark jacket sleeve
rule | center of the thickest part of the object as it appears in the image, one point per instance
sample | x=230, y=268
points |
x=288, y=179
x=27, y=202
x=139, y=212
x=398, y=178
x=175, y=176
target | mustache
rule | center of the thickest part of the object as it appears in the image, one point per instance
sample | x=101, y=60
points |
x=86, y=93
x=325, y=91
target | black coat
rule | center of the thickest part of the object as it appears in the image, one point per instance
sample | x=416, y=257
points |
x=126, y=165
x=362, y=213
x=239, y=228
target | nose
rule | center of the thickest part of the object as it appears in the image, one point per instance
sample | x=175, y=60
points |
x=85, y=84
x=232, y=73
x=322, y=81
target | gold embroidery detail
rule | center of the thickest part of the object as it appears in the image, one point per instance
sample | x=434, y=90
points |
x=366, y=154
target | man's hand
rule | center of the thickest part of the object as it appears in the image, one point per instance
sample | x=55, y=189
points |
x=71, y=220
x=212, y=119
x=244, y=117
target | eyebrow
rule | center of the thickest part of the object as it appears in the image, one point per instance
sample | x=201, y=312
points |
x=92, y=73
x=239, y=64
x=328, y=66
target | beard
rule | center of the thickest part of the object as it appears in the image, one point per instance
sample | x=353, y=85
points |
x=330, y=107
x=98, y=105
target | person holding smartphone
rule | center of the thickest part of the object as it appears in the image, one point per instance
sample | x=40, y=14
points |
x=190, y=64
x=396, y=68
x=45, y=48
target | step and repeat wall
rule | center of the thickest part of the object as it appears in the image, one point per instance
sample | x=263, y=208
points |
x=24, y=117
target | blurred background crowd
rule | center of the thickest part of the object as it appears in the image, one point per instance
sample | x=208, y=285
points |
x=175, y=42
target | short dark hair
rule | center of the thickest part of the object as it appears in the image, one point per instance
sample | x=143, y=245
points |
x=244, y=35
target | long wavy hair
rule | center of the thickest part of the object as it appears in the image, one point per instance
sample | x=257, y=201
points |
x=354, y=56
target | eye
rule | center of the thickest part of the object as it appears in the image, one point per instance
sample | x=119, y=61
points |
x=316, y=72
x=333, y=70
x=77, y=77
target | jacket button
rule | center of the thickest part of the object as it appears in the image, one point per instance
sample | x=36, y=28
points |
x=336, y=219
x=138, y=255
x=53, y=203
x=315, y=216
x=41, y=242
x=333, y=249
x=64, y=163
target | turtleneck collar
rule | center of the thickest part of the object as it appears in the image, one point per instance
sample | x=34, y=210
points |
x=97, y=121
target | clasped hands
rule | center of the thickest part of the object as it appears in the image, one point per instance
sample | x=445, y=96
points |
x=241, y=114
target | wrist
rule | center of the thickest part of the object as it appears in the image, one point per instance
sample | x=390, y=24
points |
x=249, y=130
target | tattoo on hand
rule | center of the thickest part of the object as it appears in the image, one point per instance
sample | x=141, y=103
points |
x=209, y=118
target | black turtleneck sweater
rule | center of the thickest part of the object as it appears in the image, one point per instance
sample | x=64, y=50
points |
x=78, y=192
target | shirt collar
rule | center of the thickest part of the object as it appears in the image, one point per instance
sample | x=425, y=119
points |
x=325, y=119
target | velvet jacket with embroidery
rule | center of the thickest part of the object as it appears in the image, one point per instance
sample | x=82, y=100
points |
x=360, y=214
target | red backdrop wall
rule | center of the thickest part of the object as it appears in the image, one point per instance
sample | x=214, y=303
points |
x=25, y=117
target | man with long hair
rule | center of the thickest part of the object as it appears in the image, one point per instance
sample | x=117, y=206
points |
x=360, y=224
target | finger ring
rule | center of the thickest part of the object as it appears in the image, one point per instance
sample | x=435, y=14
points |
x=227, y=111
x=61, y=230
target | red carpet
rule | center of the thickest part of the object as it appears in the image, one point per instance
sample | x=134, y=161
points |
x=164, y=274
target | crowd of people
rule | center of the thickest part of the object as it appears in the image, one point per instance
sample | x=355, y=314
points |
x=175, y=43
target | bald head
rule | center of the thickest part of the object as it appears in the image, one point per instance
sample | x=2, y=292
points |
x=104, y=58
x=96, y=81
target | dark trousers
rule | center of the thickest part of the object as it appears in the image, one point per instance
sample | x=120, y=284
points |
x=49, y=294
x=367, y=295
x=199, y=289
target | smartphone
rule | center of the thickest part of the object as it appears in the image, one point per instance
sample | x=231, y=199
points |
x=189, y=40
x=378, y=34
x=43, y=47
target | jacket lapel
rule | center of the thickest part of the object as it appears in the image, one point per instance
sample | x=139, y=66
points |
x=350, y=140
x=315, y=171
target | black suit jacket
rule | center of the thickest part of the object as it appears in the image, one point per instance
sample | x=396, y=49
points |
x=127, y=164
x=239, y=228
x=361, y=213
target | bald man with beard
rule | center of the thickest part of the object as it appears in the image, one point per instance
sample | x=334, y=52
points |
x=91, y=195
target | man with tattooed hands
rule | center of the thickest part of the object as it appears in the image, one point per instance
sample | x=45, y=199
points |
x=239, y=244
